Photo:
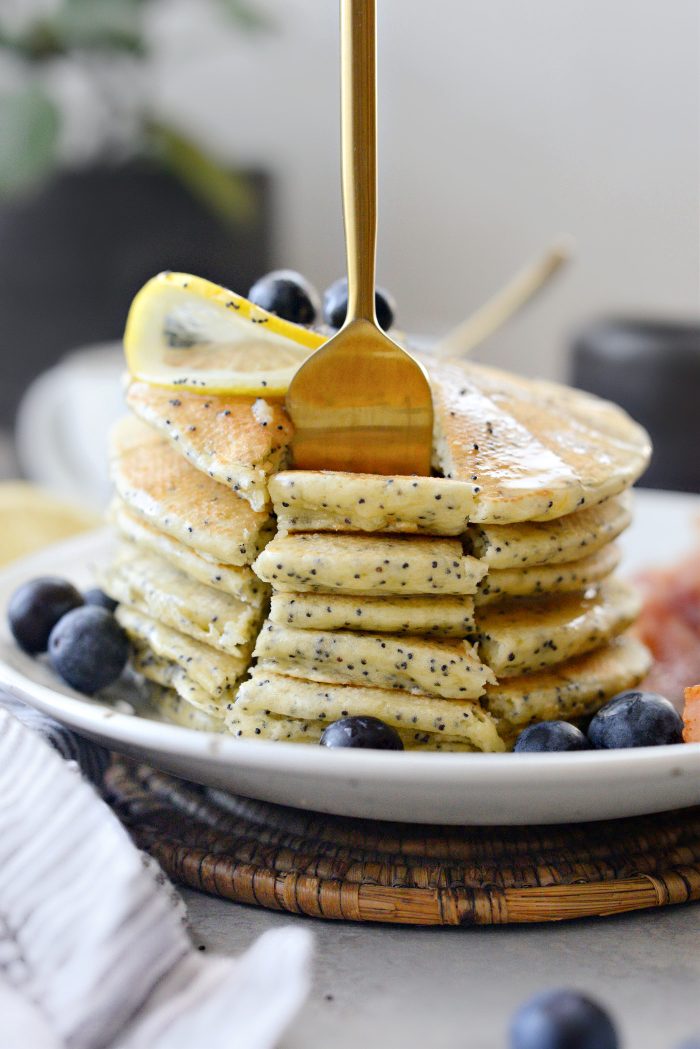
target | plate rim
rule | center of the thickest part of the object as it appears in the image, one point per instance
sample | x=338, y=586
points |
x=92, y=715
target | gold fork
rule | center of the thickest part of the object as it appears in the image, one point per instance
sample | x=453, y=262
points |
x=361, y=403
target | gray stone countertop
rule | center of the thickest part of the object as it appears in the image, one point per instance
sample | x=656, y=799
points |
x=410, y=988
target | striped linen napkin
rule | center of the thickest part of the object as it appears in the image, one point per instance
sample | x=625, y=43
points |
x=94, y=949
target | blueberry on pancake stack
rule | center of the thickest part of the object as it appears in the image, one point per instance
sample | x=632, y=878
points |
x=457, y=608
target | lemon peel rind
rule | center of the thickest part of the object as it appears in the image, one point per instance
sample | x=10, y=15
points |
x=268, y=383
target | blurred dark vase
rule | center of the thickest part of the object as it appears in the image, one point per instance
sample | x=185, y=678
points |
x=73, y=255
x=652, y=369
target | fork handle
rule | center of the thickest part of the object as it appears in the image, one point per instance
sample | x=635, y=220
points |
x=359, y=153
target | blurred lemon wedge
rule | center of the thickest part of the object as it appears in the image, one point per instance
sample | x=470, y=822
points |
x=184, y=332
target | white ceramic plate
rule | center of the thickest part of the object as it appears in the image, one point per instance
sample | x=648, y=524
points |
x=426, y=788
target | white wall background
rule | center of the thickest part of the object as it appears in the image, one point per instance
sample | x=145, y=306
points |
x=502, y=123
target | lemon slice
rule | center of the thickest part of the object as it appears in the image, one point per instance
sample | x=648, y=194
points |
x=184, y=332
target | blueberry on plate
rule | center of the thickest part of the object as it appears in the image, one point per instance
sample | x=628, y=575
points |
x=635, y=719
x=335, y=305
x=288, y=295
x=562, y=1020
x=550, y=735
x=361, y=731
x=36, y=607
x=88, y=649
x=98, y=598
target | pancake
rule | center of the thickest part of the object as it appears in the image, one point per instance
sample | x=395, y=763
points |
x=308, y=701
x=448, y=669
x=318, y=562
x=542, y=580
x=214, y=670
x=267, y=726
x=523, y=636
x=437, y=616
x=166, y=703
x=551, y=542
x=237, y=441
x=152, y=586
x=240, y=582
x=262, y=724
x=324, y=501
x=169, y=675
x=534, y=450
x=160, y=487
x=575, y=689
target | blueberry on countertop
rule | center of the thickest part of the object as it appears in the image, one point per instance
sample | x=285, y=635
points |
x=562, y=1020
x=550, y=735
x=361, y=731
x=335, y=305
x=288, y=295
x=100, y=599
x=88, y=649
x=636, y=719
x=36, y=607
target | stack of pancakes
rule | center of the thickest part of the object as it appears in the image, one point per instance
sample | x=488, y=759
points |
x=192, y=510
x=457, y=608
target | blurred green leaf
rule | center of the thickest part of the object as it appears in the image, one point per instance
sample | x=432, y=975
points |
x=28, y=134
x=228, y=194
x=89, y=23
x=113, y=24
x=247, y=15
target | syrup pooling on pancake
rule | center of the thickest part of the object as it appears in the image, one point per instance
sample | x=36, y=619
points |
x=528, y=461
x=237, y=441
x=523, y=635
x=514, y=472
x=161, y=487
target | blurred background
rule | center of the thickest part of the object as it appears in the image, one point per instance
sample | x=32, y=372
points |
x=138, y=135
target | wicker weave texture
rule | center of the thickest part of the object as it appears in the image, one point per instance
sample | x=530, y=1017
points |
x=358, y=870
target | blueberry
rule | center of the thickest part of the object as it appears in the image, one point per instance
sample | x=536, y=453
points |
x=635, y=719
x=369, y=733
x=335, y=305
x=36, y=607
x=288, y=295
x=562, y=1020
x=100, y=599
x=550, y=735
x=691, y=1043
x=88, y=649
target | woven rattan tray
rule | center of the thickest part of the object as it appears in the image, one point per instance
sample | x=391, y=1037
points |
x=358, y=870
